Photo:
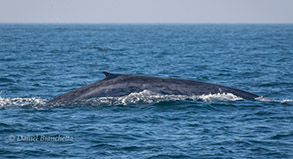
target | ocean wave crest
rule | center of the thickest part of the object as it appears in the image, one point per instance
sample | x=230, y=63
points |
x=16, y=102
x=148, y=97
x=263, y=99
x=139, y=98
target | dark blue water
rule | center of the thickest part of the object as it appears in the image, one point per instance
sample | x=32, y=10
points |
x=39, y=62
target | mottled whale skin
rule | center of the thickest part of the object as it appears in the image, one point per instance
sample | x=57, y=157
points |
x=117, y=85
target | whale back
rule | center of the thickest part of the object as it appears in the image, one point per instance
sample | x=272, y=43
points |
x=117, y=85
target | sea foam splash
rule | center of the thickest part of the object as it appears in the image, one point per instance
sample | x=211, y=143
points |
x=16, y=102
x=263, y=99
x=139, y=98
x=148, y=97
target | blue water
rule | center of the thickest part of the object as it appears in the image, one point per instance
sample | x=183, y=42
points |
x=41, y=61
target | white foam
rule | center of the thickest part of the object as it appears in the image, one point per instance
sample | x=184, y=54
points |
x=144, y=97
x=148, y=97
x=219, y=97
x=286, y=101
x=10, y=102
x=265, y=99
x=272, y=100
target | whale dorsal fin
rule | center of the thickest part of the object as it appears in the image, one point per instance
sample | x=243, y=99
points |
x=110, y=75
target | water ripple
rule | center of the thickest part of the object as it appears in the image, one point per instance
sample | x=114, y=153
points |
x=40, y=61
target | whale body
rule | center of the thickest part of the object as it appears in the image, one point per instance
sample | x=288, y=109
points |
x=117, y=85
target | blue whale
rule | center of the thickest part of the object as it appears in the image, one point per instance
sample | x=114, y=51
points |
x=117, y=85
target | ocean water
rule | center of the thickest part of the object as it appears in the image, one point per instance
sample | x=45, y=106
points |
x=41, y=61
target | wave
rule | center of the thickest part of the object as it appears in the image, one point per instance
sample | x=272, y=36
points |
x=140, y=98
x=148, y=97
x=19, y=102
x=263, y=99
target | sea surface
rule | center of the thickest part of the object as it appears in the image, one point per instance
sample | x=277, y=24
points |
x=41, y=61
